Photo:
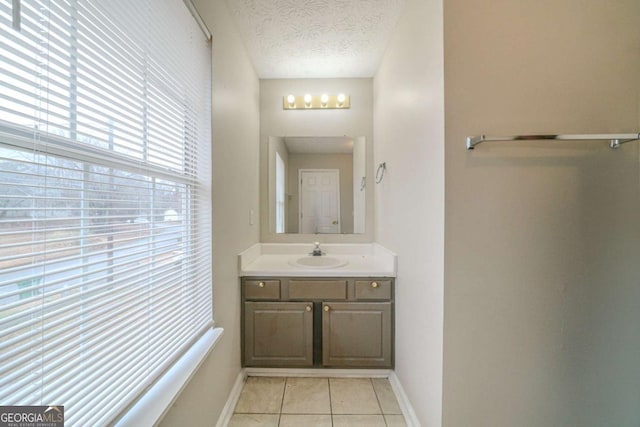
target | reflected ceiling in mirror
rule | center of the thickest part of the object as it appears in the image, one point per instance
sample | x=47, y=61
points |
x=319, y=145
x=317, y=185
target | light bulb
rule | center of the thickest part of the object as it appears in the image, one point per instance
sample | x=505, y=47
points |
x=341, y=98
x=307, y=99
x=291, y=100
x=324, y=99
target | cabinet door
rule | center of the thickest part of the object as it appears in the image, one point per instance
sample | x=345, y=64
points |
x=278, y=334
x=356, y=334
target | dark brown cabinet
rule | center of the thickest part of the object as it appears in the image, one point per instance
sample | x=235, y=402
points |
x=317, y=322
x=278, y=333
x=356, y=334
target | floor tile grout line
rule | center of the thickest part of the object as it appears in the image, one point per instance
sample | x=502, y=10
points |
x=362, y=415
x=284, y=390
x=382, y=410
x=375, y=392
x=330, y=401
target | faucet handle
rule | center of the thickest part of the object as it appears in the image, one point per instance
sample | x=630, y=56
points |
x=316, y=250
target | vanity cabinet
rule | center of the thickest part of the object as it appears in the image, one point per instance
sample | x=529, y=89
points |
x=317, y=322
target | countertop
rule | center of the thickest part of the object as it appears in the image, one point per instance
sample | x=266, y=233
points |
x=272, y=259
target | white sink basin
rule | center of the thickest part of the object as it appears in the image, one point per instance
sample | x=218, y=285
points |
x=318, y=262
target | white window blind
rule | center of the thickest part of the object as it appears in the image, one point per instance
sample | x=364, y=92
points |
x=105, y=246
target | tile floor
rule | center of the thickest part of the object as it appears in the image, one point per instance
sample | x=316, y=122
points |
x=311, y=402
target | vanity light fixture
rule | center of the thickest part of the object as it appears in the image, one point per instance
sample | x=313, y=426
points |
x=315, y=102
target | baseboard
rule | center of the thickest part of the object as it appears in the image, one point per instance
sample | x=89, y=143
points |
x=410, y=417
x=324, y=373
x=232, y=400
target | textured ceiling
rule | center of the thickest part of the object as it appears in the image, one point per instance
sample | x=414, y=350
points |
x=315, y=38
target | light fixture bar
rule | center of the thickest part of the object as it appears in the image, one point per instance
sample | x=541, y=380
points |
x=316, y=102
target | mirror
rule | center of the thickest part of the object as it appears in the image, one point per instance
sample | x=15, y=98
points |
x=317, y=185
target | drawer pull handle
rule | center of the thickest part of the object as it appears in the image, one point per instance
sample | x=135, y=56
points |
x=326, y=308
x=308, y=308
x=261, y=284
x=374, y=284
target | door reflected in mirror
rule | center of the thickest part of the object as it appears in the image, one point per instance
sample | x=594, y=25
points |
x=317, y=185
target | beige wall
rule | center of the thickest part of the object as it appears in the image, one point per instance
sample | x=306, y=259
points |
x=542, y=290
x=354, y=122
x=235, y=192
x=342, y=162
x=409, y=134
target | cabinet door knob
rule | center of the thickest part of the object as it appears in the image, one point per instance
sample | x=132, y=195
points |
x=308, y=308
x=326, y=308
x=261, y=284
x=374, y=284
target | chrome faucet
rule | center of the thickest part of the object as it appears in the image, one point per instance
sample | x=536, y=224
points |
x=317, y=251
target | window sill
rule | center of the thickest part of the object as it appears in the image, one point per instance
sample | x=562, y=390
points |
x=153, y=405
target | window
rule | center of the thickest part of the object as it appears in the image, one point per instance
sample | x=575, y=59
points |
x=280, y=194
x=105, y=246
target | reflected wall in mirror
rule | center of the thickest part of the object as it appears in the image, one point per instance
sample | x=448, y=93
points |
x=317, y=185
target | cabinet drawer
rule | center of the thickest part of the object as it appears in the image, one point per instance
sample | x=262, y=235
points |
x=318, y=289
x=262, y=289
x=373, y=289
